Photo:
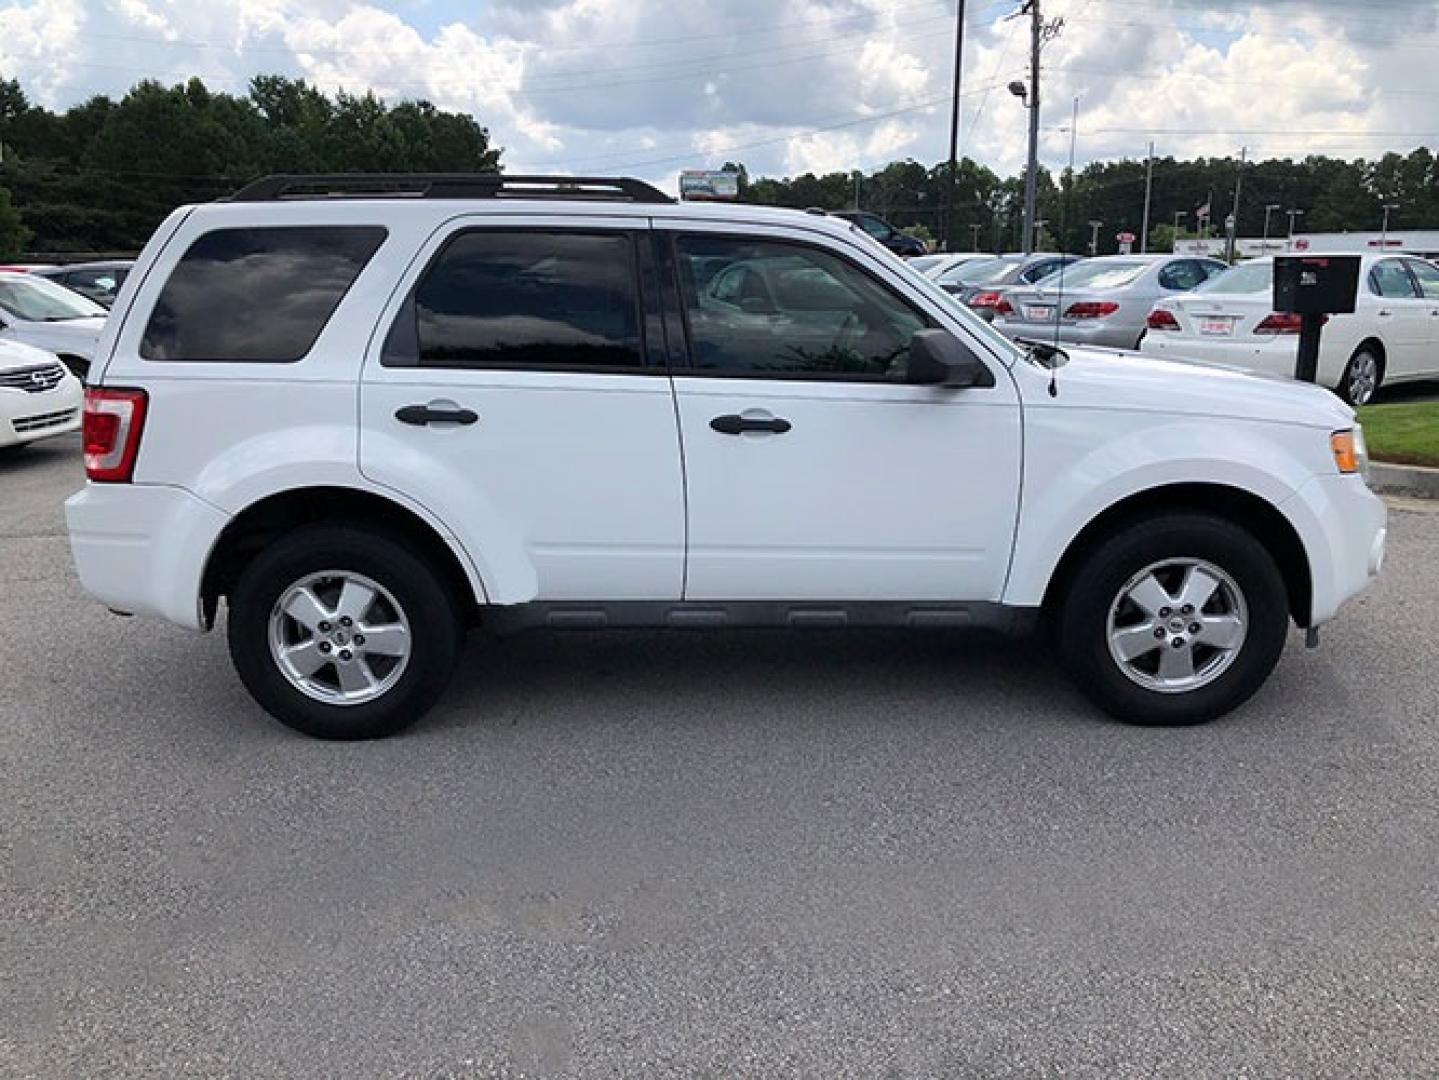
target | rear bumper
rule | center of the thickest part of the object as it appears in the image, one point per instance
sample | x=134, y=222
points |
x=1098, y=332
x=1344, y=526
x=142, y=548
x=1274, y=357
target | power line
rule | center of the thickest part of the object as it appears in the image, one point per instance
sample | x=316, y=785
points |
x=715, y=151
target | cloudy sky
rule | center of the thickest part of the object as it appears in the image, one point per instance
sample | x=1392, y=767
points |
x=647, y=87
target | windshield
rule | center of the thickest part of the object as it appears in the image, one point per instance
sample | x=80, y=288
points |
x=1095, y=274
x=985, y=272
x=1242, y=279
x=37, y=300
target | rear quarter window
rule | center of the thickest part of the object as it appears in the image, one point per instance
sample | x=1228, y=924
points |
x=256, y=295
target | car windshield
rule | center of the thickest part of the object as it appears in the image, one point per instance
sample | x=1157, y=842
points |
x=1095, y=274
x=987, y=272
x=1242, y=279
x=37, y=300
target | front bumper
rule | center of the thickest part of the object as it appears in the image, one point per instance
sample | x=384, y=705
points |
x=142, y=548
x=1345, y=529
x=25, y=417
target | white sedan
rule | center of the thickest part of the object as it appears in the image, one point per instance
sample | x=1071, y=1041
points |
x=1392, y=336
x=38, y=396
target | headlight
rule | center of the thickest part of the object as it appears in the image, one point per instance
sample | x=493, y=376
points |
x=1351, y=455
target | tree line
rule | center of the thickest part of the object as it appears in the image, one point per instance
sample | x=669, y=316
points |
x=984, y=211
x=102, y=174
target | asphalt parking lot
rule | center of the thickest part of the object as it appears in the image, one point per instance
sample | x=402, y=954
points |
x=749, y=855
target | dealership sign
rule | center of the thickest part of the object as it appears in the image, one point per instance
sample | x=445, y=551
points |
x=701, y=184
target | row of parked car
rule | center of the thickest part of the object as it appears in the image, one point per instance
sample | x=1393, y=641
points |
x=50, y=321
x=1187, y=307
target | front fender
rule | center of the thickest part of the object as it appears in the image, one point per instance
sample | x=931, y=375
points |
x=1070, y=480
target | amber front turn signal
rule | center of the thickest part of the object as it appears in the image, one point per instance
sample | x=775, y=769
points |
x=1346, y=451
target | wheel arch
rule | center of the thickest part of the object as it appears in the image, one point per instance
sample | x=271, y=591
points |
x=249, y=531
x=1256, y=514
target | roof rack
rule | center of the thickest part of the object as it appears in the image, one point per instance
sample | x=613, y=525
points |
x=490, y=185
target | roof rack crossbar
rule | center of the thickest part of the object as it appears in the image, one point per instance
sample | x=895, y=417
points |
x=490, y=185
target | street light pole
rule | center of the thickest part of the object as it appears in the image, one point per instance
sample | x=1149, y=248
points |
x=1148, y=192
x=1232, y=222
x=1384, y=233
x=974, y=237
x=1269, y=208
x=1094, y=227
x=1292, y=215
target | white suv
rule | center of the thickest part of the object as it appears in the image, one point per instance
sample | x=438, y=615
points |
x=368, y=412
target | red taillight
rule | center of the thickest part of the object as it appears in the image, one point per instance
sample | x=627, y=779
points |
x=1159, y=319
x=112, y=423
x=985, y=299
x=1091, y=309
x=1282, y=322
x=1002, y=306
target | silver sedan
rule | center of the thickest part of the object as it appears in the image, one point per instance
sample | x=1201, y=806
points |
x=1102, y=301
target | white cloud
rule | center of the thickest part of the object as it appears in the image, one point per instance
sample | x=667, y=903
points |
x=654, y=86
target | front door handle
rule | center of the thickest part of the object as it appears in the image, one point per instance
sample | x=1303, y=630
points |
x=733, y=424
x=427, y=414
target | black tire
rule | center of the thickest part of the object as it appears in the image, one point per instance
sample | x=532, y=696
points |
x=436, y=630
x=1100, y=576
x=1364, y=355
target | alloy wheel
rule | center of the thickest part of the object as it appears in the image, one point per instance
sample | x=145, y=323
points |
x=340, y=637
x=1177, y=625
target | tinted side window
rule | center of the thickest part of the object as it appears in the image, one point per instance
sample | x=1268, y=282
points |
x=811, y=313
x=527, y=299
x=1428, y=277
x=1389, y=278
x=1183, y=275
x=259, y=295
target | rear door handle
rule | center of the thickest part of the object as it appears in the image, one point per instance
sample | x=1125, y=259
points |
x=733, y=424
x=427, y=414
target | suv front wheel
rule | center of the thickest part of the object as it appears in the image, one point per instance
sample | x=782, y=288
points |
x=1176, y=620
x=342, y=634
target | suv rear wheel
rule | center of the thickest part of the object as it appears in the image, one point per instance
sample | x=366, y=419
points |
x=1176, y=620
x=342, y=634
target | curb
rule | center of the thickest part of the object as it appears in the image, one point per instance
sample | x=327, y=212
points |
x=1404, y=480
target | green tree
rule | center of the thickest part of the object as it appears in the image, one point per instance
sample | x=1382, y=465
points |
x=13, y=233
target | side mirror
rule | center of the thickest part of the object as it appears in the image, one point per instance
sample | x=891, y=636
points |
x=938, y=358
x=754, y=305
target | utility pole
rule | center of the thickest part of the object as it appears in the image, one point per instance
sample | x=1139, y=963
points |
x=1148, y=194
x=953, y=128
x=1269, y=208
x=1031, y=176
x=1094, y=227
x=1232, y=243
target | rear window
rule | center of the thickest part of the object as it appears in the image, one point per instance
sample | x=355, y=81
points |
x=257, y=295
x=988, y=272
x=1243, y=279
x=1097, y=274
